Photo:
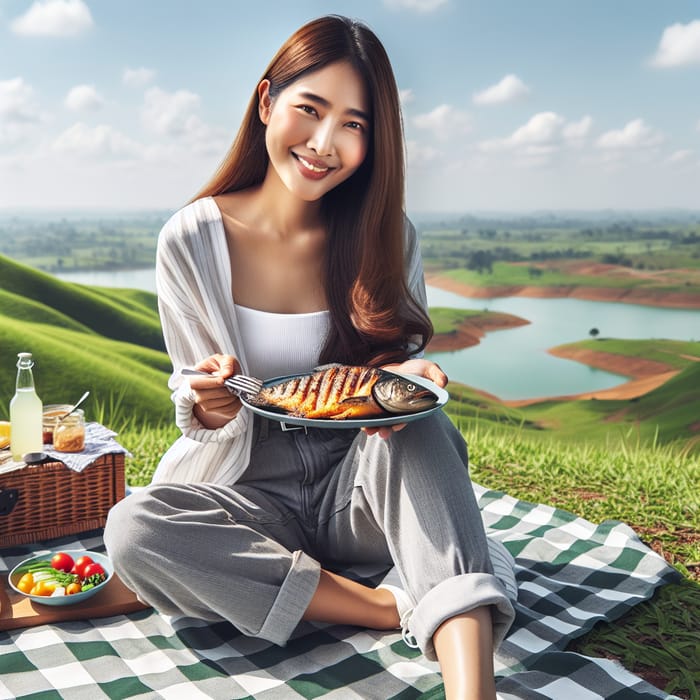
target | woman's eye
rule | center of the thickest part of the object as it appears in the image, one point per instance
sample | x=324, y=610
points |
x=355, y=125
x=307, y=108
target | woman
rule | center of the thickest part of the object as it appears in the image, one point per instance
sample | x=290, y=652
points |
x=298, y=253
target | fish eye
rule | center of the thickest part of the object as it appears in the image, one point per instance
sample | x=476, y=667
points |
x=411, y=387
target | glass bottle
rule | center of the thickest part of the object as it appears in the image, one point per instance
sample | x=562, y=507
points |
x=25, y=411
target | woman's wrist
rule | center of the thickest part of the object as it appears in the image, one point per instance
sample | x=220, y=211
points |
x=210, y=420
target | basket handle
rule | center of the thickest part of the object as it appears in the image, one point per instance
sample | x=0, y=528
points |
x=8, y=500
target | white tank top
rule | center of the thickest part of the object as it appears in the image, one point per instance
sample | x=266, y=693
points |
x=281, y=344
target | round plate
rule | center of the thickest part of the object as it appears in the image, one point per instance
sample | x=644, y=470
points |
x=389, y=419
x=102, y=559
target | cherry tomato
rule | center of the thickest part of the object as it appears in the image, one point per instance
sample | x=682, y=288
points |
x=81, y=563
x=62, y=561
x=26, y=583
x=72, y=588
x=92, y=569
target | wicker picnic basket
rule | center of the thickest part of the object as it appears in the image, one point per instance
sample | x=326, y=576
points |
x=54, y=501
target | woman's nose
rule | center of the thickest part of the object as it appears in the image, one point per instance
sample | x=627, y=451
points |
x=321, y=140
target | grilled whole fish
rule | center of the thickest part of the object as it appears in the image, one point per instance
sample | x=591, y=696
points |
x=341, y=391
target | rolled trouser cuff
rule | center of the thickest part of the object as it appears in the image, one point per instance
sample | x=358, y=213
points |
x=293, y=599
x=456, y=596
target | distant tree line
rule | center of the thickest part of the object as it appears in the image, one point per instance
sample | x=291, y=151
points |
x=62, y=245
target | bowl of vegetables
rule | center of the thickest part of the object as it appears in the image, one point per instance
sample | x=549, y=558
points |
x=61, y=577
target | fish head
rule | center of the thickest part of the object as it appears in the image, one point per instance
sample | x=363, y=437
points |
x=401, y=395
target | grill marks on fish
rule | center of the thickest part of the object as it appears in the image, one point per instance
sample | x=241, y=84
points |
x=337, y=392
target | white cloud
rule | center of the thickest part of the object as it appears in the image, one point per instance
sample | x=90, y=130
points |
x=542, y=129
x=508, y=89
x=419, y=155
x=54, y=18
x=682, y=155
x=444, y=121
x=416, y=5
x=19, y=112
x=17, y=102
x=634, y=135
x=83, y=98
x=173, y=115
x=576, y=132
x=679, y=45
x=406, y=96
x=137, y=77
x=169, y=113
x=96, y=142
x=544, y=134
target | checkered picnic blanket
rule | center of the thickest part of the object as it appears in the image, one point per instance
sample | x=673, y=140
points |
x=571, y=574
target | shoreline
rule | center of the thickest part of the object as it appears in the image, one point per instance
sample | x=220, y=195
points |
x=644, y=297
x=471, y=330
x=645, y=375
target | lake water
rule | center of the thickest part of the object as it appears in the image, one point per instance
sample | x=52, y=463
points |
x=514, y=363
x=130, y=279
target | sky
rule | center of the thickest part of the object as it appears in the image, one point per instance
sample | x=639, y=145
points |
x=508, y=105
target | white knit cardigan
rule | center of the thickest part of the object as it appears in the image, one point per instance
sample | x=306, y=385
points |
x=198, y=317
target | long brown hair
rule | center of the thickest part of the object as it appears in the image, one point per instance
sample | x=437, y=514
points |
x=374, y=317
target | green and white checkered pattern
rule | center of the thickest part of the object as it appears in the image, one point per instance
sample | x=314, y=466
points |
x=571, y=574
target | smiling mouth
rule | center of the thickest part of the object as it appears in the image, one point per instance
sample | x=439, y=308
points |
x=311, y=167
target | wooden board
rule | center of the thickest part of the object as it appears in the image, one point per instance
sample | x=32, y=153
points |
x=17, y=611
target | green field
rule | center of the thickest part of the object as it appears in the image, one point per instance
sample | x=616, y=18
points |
x=661, y=253
x=82, y=242
x=651, y=242
x=518, y=275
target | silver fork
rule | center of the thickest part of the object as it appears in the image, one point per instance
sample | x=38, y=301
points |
x=237, y=384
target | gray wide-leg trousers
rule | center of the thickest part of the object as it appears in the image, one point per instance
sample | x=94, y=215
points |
x=251, y=553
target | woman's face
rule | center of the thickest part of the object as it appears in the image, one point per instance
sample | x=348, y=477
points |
x=317, y=129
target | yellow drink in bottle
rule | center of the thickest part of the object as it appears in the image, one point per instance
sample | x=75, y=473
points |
x=25, y=412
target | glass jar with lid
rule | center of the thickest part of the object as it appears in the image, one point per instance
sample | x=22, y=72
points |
x=69, y=434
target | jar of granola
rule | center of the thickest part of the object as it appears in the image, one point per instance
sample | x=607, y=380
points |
x=69, y=434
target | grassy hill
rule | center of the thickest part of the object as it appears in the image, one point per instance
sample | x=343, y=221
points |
x=125, y=315
x=107, y=341
x=667, y=415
